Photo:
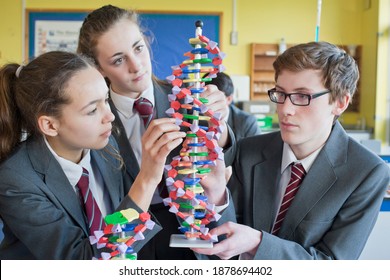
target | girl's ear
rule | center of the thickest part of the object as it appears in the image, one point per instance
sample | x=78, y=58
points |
x=341, y=104
x=48, y=125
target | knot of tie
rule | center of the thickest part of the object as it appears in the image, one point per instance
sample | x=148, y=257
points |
x=145, y=109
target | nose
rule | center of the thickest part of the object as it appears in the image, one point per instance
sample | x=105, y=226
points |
x=133, y=64
x=108, y=115
x=287, y=108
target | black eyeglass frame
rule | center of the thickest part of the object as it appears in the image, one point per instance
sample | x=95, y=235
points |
x=309, y=96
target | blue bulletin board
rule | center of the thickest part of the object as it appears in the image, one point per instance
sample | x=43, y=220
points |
x=169, y=34
x=386, y=202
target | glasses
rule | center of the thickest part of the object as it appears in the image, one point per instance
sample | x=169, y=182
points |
x=298, y=99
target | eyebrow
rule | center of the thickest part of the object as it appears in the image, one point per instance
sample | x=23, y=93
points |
x=135, y=44
x=95, y=101
x=297, y=90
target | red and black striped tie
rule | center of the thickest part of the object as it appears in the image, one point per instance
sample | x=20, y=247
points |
x=91, y=209
x=297, y=175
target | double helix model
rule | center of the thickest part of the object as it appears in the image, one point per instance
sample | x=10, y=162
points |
x=200, y=149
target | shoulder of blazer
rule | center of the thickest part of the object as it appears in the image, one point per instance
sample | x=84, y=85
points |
x=241, y=119
x=260, y=146
x=341, y=148
x=161, y=101
x=39, y=154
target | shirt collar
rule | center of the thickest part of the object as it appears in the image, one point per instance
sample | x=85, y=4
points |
x=72, y=170
x=124, y=104
x=289, y=157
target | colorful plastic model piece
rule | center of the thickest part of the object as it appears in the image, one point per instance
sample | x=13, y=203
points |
x=200, y=149
x=121, y=233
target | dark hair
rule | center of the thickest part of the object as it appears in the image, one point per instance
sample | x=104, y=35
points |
x=223, y=82
x=339, y=70
x=27, y=92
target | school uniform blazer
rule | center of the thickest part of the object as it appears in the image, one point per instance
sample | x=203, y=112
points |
x=242, y=123
x=42, y=214
x=335, y=209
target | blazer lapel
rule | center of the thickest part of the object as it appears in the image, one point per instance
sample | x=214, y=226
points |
x=265, y=186
x=55, y=180
x=126, y=150
x=161, y=98
x=162, y=104
x=111, y=177
x=317, y=182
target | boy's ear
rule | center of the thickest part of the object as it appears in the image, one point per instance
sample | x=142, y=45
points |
x=48, y=125
x=341, y=104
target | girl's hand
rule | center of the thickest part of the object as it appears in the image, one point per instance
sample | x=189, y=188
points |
x=160, y=138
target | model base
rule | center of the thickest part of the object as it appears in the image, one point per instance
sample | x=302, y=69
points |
x=180, y=241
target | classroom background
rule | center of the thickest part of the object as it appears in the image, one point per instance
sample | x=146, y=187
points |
x=250, y=32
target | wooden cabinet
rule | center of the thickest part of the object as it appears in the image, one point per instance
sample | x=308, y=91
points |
x=262, y=72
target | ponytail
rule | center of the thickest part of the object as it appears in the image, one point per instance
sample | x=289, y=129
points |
x=10, y=118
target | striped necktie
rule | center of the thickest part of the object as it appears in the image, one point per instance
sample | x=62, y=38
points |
x=145, y=109
x=91, y=209
x=297, y=175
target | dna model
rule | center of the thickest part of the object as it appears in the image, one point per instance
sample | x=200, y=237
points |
x=200, y=149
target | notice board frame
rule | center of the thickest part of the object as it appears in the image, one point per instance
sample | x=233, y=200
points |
x=168, y=33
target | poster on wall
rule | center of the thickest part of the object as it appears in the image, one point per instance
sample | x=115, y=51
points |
x=52, y=30
x=57, y=35
x=59, y=30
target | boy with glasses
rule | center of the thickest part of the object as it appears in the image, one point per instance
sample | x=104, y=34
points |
x=308, y=191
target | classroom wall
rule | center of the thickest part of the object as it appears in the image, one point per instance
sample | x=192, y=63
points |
x=261, y=21
x=382, y=125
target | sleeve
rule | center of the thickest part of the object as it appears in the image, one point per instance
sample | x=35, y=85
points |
x=230, y=149
x=251, y=126
x=127, y=203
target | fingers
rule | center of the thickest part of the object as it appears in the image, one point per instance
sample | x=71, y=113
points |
x=216, y=100
x=225, y=228
x=221, y=249
x=240, y=239
x=228, y=173
x=159, y=126
x=214, y=184
x=162, y=135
